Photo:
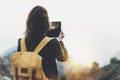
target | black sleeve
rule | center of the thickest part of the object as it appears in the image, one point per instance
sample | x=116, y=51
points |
x=62, y=54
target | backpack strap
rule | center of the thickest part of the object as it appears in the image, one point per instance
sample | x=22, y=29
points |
x=23, y=46
x=42, y=44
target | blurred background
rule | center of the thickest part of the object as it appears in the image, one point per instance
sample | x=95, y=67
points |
x=91, y=28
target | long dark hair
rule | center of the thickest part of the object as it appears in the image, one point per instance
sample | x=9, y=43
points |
x=38, y=22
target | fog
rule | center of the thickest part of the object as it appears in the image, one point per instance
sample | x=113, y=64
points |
x=91, y=27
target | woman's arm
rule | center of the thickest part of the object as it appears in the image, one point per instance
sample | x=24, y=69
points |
x=64, y=53
x=63, y=56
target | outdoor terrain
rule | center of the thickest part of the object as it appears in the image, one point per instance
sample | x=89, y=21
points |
x=72, y=71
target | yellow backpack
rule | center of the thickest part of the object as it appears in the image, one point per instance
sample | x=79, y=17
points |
x=27, y=65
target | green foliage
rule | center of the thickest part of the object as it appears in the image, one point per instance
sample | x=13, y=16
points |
x=5, y=69
x=112, y=70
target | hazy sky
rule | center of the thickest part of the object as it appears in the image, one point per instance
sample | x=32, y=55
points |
x=91, y=27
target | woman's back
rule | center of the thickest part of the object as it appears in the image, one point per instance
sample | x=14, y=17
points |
x=49, y=54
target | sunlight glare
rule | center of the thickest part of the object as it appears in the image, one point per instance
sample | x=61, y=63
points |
x=84, y=56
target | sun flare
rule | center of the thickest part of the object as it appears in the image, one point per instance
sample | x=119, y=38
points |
x=84, y=56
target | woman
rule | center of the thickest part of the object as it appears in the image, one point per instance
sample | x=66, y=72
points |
x=36, y=28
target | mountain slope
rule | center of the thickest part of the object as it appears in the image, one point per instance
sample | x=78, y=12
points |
x=112, y=71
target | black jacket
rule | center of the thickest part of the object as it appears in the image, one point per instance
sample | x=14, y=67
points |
x=49, y=53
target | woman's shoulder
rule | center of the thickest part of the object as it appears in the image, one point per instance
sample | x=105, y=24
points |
x=54, y=41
